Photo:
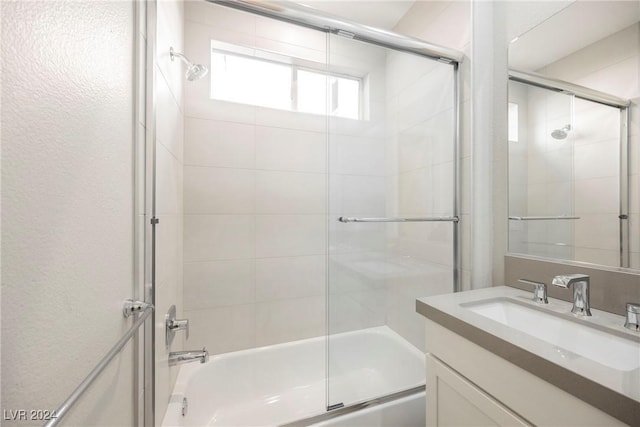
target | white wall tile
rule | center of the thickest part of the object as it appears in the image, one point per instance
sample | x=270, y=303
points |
x=169, y=184
x=169, y=251
x=289, y=320
x=290, y=193
x=169, y=120
x=363, y=195
x=219, y=283
x=359, y=271
x=290, y=120
x=597, y=195
x=217, y=237
x=203, y=107
x=216, y=143
x=356, y=237
x=414, y=148
x=596, y=160
x=290, y=33
x=295, y=51
x=442, y=190
x=415, y=188
x=597, y=231
x=219, y=190
x=290, y=277
x=289, y=235
x=222, y=329
x=357, y=156
x=290, y=150
x=348, y=313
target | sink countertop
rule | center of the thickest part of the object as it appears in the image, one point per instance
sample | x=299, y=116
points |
x=613, y=391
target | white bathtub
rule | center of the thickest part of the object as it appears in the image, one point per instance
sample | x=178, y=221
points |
x=282, y=383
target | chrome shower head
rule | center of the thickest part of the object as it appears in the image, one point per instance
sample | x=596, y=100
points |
x=194, y=71
x=561, y=133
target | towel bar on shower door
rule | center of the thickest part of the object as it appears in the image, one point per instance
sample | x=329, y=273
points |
x=345, y=219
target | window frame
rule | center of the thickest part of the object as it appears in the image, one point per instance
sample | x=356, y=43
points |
x=294, y=83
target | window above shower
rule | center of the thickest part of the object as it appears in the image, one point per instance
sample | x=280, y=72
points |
x=274, y=81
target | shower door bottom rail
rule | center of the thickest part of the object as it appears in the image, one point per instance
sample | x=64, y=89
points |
x=130, y=307
x=345, y=219
x=343, y=410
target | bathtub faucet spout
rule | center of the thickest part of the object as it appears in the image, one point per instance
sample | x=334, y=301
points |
x=180, y=357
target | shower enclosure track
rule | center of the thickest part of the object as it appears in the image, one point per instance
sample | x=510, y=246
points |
x=355, y=407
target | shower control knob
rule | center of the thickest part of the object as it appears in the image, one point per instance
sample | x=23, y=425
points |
x=179, y=325
x=172, y=325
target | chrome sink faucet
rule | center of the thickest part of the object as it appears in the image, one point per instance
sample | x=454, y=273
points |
x=632, y=320
x=580, y=284
x=539, y=291
x=180, y=357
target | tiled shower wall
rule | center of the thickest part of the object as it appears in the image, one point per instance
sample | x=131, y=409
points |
x=255, y=198
x=256, y=194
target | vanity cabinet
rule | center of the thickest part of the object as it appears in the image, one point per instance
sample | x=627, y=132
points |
x=455, y=401
x=468, y=385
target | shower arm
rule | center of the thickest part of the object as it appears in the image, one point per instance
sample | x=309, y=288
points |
x=173, y=54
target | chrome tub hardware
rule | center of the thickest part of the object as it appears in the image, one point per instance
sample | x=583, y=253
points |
x=539, y=291
x=180, y=357
x=632, y=320
x=172, y=325
x=580, y=282
x=131, y=307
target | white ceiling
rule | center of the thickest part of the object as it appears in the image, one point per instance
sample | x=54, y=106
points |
x=566, y=29
x=380, y=14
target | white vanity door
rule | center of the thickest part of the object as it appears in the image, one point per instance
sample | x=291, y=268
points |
x=454, y=401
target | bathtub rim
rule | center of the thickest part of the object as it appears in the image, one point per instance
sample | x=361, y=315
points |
x=335, y=413
x=188, y=371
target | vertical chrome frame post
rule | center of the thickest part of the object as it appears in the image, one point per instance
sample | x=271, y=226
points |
x=457, y=231
x=625, y=249
x=150, y=214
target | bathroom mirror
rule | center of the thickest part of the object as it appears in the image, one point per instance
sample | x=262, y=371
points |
x=574, y=130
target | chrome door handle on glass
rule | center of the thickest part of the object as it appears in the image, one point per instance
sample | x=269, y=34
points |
x=580, y=282
x=539, y=291
x=632, y=320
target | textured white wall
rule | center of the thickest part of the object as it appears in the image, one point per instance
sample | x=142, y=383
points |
x=67, y=196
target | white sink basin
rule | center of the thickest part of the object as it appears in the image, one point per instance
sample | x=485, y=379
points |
x=582, y=339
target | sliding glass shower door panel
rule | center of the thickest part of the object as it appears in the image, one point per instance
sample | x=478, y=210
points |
x=391, y=167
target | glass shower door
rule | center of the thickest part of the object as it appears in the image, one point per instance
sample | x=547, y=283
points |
x=542, y=216
x=391, y=156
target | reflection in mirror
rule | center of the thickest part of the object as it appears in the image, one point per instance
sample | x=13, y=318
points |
x=564, y=176
x=573, y=163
